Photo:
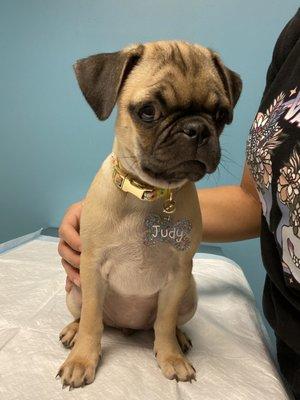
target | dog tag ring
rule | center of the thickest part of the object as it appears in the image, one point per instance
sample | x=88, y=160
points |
x=169, y=205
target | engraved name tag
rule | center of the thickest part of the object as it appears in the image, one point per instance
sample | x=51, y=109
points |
x=163, y=229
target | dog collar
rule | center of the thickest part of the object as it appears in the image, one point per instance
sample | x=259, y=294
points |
x=125, y=182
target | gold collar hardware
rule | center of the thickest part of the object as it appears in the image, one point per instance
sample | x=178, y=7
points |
x=123, y=181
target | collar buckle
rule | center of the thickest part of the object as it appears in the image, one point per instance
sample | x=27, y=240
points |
x=127, y=184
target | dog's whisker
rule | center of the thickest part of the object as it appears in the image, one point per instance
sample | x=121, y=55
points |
x=230, y=159
x=127, y=157
x=228, y=171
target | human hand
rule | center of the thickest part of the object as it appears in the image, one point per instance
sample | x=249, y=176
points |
x=69, y=247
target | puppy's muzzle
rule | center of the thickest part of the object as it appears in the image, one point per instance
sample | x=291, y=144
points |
x=189, y=149
x=200, y=141
x=195, y=129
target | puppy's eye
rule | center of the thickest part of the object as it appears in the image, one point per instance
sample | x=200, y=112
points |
x=148, y=113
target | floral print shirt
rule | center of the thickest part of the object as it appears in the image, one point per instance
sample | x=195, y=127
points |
x=273, y=156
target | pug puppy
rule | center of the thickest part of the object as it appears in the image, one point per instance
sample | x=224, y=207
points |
x=141, y=222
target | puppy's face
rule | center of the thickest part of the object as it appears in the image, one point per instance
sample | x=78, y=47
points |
x=174, y=99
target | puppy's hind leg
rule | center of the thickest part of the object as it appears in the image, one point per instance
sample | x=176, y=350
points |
x=186, y=312
x=68, y=335
x=74, y=301
x=184, y=341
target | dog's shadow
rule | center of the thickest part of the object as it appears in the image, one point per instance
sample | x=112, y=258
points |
x=113, y=337
x=115, y=341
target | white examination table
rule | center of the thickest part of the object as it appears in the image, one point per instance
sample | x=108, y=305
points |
x=230, y=348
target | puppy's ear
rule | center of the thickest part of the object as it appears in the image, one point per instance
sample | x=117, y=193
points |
x=101, y=76
x=231, y=81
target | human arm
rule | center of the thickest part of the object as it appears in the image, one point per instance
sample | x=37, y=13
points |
x=231, y=213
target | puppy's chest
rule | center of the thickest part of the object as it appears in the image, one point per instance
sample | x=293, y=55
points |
x=140, y=258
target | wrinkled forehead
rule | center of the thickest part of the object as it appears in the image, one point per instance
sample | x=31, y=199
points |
x=175, y=73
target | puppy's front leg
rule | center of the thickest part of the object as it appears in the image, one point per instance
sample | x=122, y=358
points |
x=169, y=356
x=80, y=366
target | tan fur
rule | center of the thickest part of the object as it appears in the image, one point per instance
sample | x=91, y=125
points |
x=147, y=76
x=125, y=283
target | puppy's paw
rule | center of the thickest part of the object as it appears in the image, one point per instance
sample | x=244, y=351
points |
x=183, y=340
x=177, y=367
x=68, y=335
x=77, y=371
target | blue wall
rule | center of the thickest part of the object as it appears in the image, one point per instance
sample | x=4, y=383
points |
x=52, y=144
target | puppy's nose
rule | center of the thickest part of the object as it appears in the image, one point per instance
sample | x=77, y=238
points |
x=194, y=129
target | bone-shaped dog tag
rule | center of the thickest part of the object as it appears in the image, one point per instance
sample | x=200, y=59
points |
x=162, y=229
